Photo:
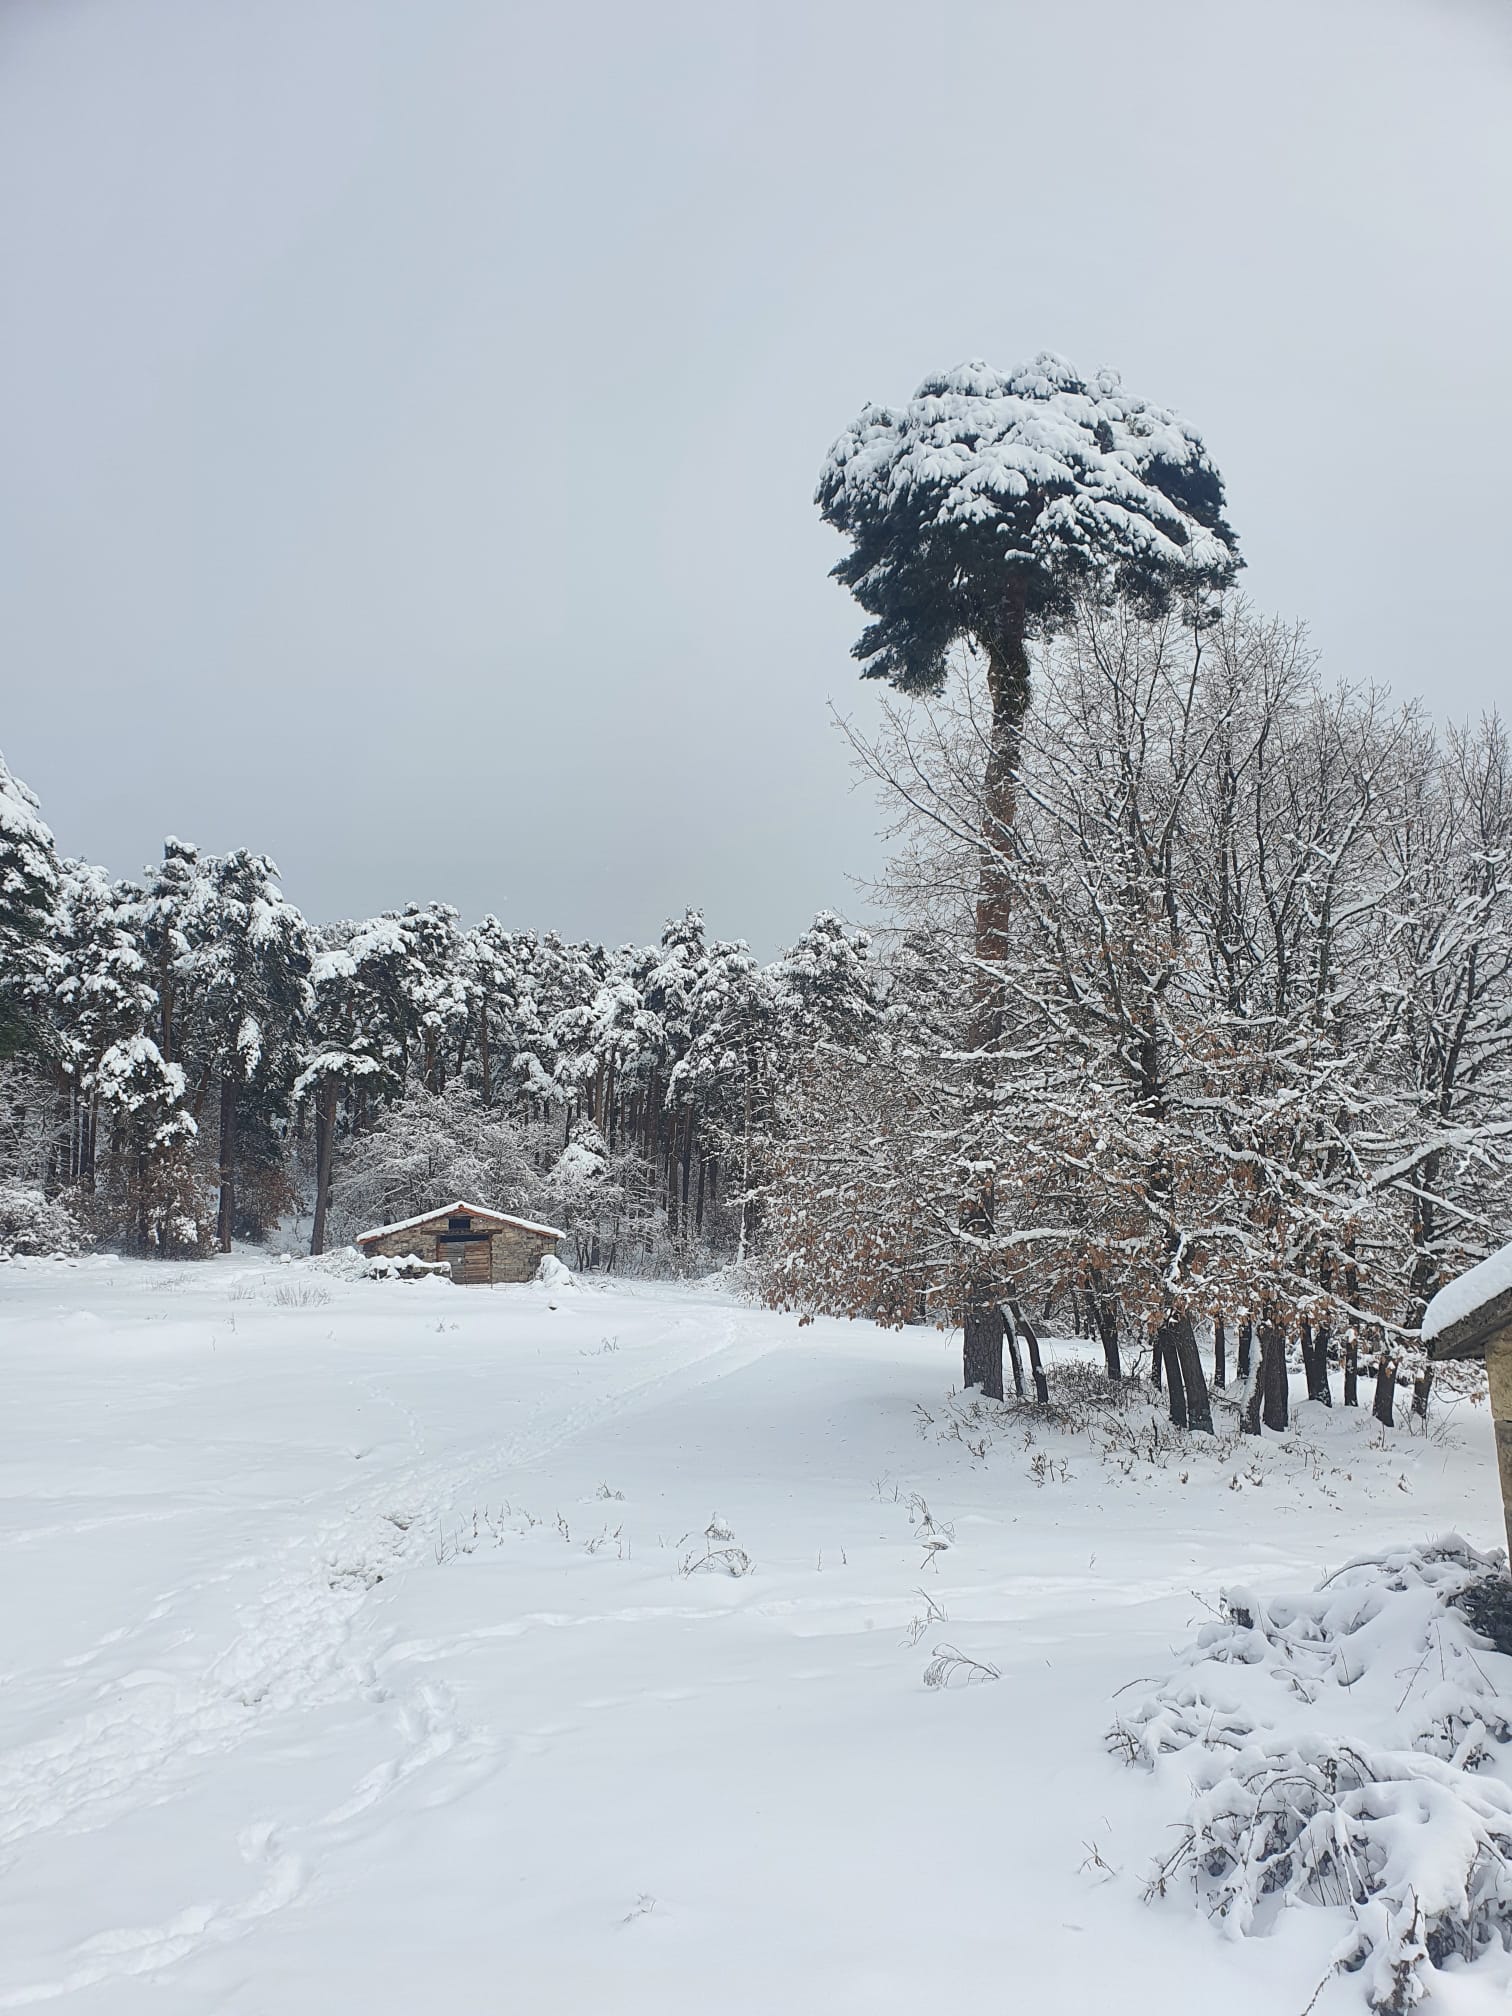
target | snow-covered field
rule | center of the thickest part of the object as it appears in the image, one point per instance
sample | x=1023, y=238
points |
x=357, y=1657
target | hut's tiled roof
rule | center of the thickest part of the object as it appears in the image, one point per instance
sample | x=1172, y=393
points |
x=459, y=1209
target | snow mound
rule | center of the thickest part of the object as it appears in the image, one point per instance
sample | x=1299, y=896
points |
x=344, y=1262
x=348, y=1264
x=553, y=1274
x=1347, y=1748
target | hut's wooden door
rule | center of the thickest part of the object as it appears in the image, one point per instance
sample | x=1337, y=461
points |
x=470, y=1259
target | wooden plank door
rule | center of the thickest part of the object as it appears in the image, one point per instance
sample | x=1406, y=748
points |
x=469, y=1259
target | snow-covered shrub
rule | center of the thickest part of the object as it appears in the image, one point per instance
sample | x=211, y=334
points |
x=1488, y=1605
x=1347, y=1748
x=31, y=1223
x=606, y=1201
x=33, y=1131
x=427, y=1150
x=582, y=1164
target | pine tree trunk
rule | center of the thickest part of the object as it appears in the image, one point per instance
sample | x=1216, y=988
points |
x=1351, y=1368
x=1422, y=1386
x=745, y=1183
x=1008, y=690
x=1220, y=1352
x=485, y=1070
x=227, y=1213
x=325, y=1134
x=1246, y=1348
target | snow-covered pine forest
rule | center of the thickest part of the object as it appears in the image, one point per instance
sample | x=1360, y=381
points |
x=190, y=1061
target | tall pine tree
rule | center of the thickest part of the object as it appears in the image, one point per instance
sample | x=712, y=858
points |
x=975, y=514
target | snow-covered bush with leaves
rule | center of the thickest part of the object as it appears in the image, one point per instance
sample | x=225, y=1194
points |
x=1347, y=1748
x=31, y=1223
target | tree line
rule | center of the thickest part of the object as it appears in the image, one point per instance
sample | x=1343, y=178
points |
x=189, y=1060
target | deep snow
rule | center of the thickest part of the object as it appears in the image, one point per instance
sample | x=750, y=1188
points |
x=356, y=1658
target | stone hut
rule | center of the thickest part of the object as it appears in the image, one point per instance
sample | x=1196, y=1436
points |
x=481, y=1246
x=1472, y=1318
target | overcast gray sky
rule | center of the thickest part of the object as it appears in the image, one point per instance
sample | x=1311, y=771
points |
x=411, y=408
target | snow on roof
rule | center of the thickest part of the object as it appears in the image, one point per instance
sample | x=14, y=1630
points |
x=1464, y=1299
x=459, y=1209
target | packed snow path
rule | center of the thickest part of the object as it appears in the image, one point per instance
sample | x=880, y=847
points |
x=369, y=1648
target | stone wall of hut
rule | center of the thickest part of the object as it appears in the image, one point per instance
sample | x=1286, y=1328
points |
x=518, y=1253
x=514, y=1253
x=419, y=1240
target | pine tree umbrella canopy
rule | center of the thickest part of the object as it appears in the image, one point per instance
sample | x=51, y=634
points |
x=979, y=509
